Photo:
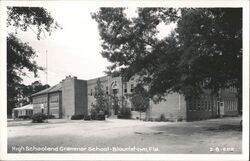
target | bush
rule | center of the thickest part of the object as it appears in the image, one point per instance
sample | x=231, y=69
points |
x=87, y=117
x=125, y=113
x=162, y=118
x=24, y=117
x=101, y=116
x=50, y=116
x=38, y=117
x=77, y=117
x=93, y=114
x=180, y=119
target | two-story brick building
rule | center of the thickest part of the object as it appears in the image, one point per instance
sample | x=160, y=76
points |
x=73, y=96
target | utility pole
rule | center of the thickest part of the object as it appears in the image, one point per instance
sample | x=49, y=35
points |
x=46, y=67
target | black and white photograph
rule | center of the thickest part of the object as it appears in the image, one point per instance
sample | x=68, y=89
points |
x=135, y=80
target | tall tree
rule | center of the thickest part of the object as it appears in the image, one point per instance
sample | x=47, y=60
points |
x=20, y=55
x=101, y=99
x=140, y=99
x=204, y=51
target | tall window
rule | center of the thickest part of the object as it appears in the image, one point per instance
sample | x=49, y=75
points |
x=125, y=87
x=91, y=92
x=132, y=88
x=107, y=90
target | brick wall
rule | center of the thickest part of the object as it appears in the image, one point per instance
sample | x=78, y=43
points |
x=202, y=108
x=91, y=84
x=68, y=97
x=81, y=105
x=173, y=108
x=230, y=100
x=54, y=104
x=38, y=102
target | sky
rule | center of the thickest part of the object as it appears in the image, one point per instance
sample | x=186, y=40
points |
x=74, y=50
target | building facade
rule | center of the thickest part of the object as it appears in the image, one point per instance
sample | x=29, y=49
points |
x=63, y=100
x=73, y=97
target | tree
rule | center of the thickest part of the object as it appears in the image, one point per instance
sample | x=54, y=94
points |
x=204, y=51
x=115, y=103
x=101, y=99
x=140, y=99
x=26, y=17
x=27, y=90
x=20, y=55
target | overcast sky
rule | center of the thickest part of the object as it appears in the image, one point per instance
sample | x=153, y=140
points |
x=74, y=50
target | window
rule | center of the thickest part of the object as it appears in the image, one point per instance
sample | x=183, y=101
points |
x=95, y=92
x=53, y=99
x=107, y=90
x=125, y=87
x=91, y=92
x=115, y=91
x=132, y=88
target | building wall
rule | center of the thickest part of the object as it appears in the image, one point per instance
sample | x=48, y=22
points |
x=81, y=98
x=54, y=105
x=91, y=84
x=202, y=108
x=39, y=102
x=109, y=83
x=174, y=108
x=68, y=97
x=230, y=100
x=78, y=95
x=74, y=97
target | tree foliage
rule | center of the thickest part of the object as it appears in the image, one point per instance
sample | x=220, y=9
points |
x=140, y=99
x=26, y=17
x=101, y=99
x=204, y=50
x=27, y=90
x=20, y=55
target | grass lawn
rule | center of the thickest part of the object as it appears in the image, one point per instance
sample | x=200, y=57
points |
x=213, y=136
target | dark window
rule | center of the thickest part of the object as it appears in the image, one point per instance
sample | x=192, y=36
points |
x=125, y=88
x=91, y=92
x=115, y=91
x=132, y=88
x=107, y=90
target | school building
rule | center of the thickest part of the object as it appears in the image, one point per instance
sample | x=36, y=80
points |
x=73, y=96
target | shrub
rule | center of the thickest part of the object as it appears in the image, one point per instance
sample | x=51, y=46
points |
x=162, y=118
x=150, y=119
x=24, y=117
x=180, y=119
x=50, y=116
x=77, y=117
x=93, y=114
x=101, y=116
x=125, y=113
x=38, y=117
x=87, y=117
